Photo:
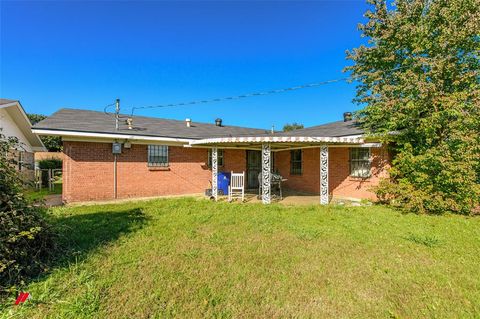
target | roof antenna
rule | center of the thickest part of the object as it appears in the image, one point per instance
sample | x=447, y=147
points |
x=273, y=128
x=117, y=112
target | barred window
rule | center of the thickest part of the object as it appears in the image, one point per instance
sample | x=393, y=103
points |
x=360, y=162
x=219, y=157
x=158, y=155
x=296, y=162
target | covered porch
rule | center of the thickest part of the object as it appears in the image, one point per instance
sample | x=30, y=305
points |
x=267, y=147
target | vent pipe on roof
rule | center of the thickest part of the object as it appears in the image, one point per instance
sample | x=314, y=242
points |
x=218, y=122
x=347, y=116
x=189, y=122
x=129, y=122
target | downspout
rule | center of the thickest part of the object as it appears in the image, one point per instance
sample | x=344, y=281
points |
x=115, y=176
x=117, y=112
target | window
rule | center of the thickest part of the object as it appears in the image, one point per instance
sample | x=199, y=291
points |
x=219, y=157
x=158, y=155
x=296, y=162
x=360, y=162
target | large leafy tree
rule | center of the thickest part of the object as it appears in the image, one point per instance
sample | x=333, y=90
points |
x=419, y=81
x=52, y=143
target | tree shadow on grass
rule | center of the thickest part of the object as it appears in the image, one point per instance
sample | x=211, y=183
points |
x=81, y=234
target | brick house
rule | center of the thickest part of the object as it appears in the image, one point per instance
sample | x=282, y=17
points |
x=155, y=157
x=15, y=123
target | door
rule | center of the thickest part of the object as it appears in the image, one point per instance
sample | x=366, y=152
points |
x=254, y=167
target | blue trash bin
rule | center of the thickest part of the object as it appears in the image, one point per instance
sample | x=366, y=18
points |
x=223, y=179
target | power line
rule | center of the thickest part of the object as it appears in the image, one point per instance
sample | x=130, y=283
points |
x=107, y=106
x=237, y=97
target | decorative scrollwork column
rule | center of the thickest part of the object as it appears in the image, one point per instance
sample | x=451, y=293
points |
x=324, y=174
x=266, y=176
x=215, y=173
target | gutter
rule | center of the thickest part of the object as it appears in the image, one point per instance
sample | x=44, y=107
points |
x=109, y=135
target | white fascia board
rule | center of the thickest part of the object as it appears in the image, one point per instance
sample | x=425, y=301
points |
x=26, y=126
x=372, y=145
x=8, y=104
x=110, y=136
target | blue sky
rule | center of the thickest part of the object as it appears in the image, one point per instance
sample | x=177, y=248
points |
x=84, y=54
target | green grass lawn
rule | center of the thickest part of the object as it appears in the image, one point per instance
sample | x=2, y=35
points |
x=194, y=258
x=36, y=195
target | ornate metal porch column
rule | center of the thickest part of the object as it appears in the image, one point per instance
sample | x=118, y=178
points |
x=215, y=172
x=324, y=174
x=266, y=185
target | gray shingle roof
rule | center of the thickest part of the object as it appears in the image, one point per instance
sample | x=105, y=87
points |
x=99, y=122
x=333, y=129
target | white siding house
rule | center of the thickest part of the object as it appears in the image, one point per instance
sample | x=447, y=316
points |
x=14, y=122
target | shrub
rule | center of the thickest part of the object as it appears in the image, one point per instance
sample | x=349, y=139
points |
x=51, y=163
x=26, y=239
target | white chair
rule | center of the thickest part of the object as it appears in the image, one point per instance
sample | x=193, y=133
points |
x=237, y=186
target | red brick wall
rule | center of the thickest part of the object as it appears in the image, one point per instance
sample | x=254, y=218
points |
x=309, y=180
x=234, y=160
x=88, y=171
x=340, y=182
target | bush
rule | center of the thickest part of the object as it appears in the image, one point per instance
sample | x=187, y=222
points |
x=51, y=163
x=434, y=181
x=26, y=239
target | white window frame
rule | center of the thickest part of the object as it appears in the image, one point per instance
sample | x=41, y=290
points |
x=360, y=167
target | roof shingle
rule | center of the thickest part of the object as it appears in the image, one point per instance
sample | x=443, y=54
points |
x=99, y=122
x=333, y=129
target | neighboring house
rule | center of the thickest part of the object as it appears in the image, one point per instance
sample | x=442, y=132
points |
x=14, y=122
x=168, y=157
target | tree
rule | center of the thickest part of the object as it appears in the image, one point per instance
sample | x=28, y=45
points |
x=419, y=81
x=52, y=143
x=291, y=127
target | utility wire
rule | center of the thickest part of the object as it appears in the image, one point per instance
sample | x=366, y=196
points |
x=237, y=97
x=114, y=115
x=106, y=108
